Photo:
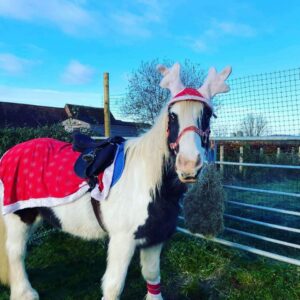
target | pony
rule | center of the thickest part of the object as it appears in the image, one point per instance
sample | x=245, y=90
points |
x=141, y=209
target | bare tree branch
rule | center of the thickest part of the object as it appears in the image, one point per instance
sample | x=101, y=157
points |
x=254, y=125
x=145, y=98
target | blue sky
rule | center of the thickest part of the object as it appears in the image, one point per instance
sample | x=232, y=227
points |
x=55, y=51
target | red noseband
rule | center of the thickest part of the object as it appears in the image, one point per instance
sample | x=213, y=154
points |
x=174, y=146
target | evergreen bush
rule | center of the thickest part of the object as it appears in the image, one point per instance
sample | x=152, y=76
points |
x=204, y=203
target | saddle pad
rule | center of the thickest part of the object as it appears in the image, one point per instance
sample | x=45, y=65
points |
x=39, y=173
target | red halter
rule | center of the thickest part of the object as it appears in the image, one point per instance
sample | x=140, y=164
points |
x=174, y=146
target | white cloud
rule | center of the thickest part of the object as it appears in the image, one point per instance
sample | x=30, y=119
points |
x=217, y=33
x=153, y=10
x=13, y=65
x=199, y=45
x=69, y=16
x=138, y=20
x=77, y=73
x=235, y=29
x=77, y=18
x=130, y=24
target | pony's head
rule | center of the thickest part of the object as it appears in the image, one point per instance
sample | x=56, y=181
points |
x=189, y=114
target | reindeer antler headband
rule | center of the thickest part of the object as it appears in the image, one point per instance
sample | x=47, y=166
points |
x=213, y=84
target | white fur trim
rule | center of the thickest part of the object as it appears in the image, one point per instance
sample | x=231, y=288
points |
x=44, y=202
x=154, y=282
x=154, y=297
x=107, y=178
x=192, y=98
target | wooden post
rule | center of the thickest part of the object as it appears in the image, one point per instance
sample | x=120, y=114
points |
x=278, y=153
x=293, y=154
x=261, y=151
x=241, y=158
x=221, y=159
x=106, y=104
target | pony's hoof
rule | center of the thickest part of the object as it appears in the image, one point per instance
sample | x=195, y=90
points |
x=26, y=295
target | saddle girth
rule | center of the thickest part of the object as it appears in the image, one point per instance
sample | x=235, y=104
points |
x=97, y=212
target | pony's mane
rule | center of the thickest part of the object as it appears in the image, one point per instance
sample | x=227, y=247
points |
x=150, y=151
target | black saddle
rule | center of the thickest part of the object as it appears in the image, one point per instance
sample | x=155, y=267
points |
x=95, y=156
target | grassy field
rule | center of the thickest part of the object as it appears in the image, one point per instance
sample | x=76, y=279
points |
x=66, y=268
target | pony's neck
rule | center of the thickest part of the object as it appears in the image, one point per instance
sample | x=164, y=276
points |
x=150, y=151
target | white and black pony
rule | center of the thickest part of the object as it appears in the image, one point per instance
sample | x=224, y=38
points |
x=141, y=209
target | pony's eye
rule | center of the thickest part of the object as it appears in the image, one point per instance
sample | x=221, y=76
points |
x=172, y=116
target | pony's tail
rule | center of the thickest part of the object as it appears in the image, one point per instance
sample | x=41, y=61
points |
x=4, y=267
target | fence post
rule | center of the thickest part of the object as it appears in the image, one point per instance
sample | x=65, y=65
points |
x=106, y=104
x=261, y=151
x=278, y=153
x=241, y=158
x=293, y=154
x=221, y=158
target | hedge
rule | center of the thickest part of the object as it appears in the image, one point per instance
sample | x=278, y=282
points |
x=10, y=136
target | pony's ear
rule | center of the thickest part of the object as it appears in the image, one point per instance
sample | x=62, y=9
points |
x=171, y=78
x=162, y=69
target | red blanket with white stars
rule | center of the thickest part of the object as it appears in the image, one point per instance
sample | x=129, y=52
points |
x=40, y=173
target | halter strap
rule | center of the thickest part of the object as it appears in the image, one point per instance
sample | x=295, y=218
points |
x=174, y=146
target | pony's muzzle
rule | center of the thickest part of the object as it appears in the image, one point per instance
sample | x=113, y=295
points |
x=188, y=169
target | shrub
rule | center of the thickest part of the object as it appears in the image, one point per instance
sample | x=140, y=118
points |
x=10, y=136
x=204, y=203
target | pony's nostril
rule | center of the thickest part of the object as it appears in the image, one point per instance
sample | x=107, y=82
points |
x=198, y=160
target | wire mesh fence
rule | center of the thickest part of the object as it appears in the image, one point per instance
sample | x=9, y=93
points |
x=258, y=129
x=260, y=105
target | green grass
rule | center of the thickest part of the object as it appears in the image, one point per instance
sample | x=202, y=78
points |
x=67, y=268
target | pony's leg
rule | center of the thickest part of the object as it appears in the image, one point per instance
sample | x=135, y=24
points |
x=150, y=262
x=120, y=251
x=17, y=236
